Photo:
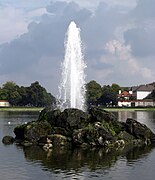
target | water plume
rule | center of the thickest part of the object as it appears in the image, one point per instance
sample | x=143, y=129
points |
x=72, y=87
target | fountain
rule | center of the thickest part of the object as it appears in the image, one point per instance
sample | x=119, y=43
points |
x=72, y=87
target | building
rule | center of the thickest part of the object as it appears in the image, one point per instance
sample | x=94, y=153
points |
x=136, y=103
x=136, y=97
x=142, y=91
x=4, y=103
x=124, y=98
x=124, y=95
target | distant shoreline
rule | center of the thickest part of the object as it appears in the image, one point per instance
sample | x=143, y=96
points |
x=21, y=109
x=38, y=109
x=129, y=109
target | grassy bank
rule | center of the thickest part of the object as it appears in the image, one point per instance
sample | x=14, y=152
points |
x=20, y=109
x=131, y=109
x=107, y=109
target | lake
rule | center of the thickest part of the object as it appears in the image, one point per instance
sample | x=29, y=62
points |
x=31, y=163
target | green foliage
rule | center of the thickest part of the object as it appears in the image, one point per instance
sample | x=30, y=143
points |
x=94, y=92
x=90, y=128
x=9, y=91
x=3, y=94
x=34, y=95
x=109, y=96
x=112, y=127
x=105, y=96
x=115, y=88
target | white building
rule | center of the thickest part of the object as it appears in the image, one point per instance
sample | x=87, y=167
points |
x=4, y=103
x=136, y=103
x=142, y=91
x=136, y=97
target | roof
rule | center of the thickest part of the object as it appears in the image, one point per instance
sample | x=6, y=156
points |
x=143, y=88
x=124, y=94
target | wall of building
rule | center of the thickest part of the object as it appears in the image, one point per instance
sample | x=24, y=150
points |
x=4, y=103
x=144, y=103
x=124, y=103
x=136, y=103
x=142, y=94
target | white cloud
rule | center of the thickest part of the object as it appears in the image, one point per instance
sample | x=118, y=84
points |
x=94, y=3
x=14, y=21
x=120, y=56
x=12, y=24
x=31, y=15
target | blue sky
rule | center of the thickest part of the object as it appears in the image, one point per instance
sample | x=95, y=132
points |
x=118, y=39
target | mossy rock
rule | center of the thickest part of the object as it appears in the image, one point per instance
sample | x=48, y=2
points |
x=49, y=115
x=8, y=140
x=59, y=140
x=20, y=131
x=123, y=135
x=35, y=130
x=138, y=130
x=71, y=119
x=94, y=135
x=97, y=114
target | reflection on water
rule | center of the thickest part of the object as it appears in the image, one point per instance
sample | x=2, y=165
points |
x=145, y=117
x=89, y=164
x=31, y=163
x=62, y=159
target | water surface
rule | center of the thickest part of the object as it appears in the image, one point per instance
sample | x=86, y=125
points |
x=32, y=163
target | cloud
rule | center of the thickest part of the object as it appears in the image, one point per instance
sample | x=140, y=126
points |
x=141, y=40
x=14, y=22
x=118, y=41
x=144, y=10
x=140, y=36
x=125, y=65
x=93, y=4
x=11, y=23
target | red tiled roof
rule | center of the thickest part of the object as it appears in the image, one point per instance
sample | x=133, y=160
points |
x=124, y=94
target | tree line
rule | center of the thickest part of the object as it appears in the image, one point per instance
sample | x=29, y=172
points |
x=37, y=96
x=34, y=96
x=102, y=95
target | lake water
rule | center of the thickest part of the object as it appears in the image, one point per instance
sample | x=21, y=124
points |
x=33, y=163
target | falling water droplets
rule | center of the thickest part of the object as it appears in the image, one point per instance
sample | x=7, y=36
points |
x=72, y=87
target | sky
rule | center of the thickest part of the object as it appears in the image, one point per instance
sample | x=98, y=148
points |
x=118, y=40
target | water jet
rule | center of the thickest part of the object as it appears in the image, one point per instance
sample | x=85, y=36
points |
x=72, y=86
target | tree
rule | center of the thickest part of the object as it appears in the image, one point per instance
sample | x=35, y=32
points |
x=94, y=92
x=10, y=92
x=116, y=88
x=3, y=94
x=108, y=96
x=37, y=96
x=34, y=95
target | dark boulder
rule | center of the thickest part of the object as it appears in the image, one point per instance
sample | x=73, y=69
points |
x=20, y=131
x=60, y=130
x=59, y=140
x=35, y=130
x=71, y=119
x=49, y=115
x=125, y=136
x=98, y=114
x=32, y=131
x=93, y=135
x=8, y=140
x=138, y=130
